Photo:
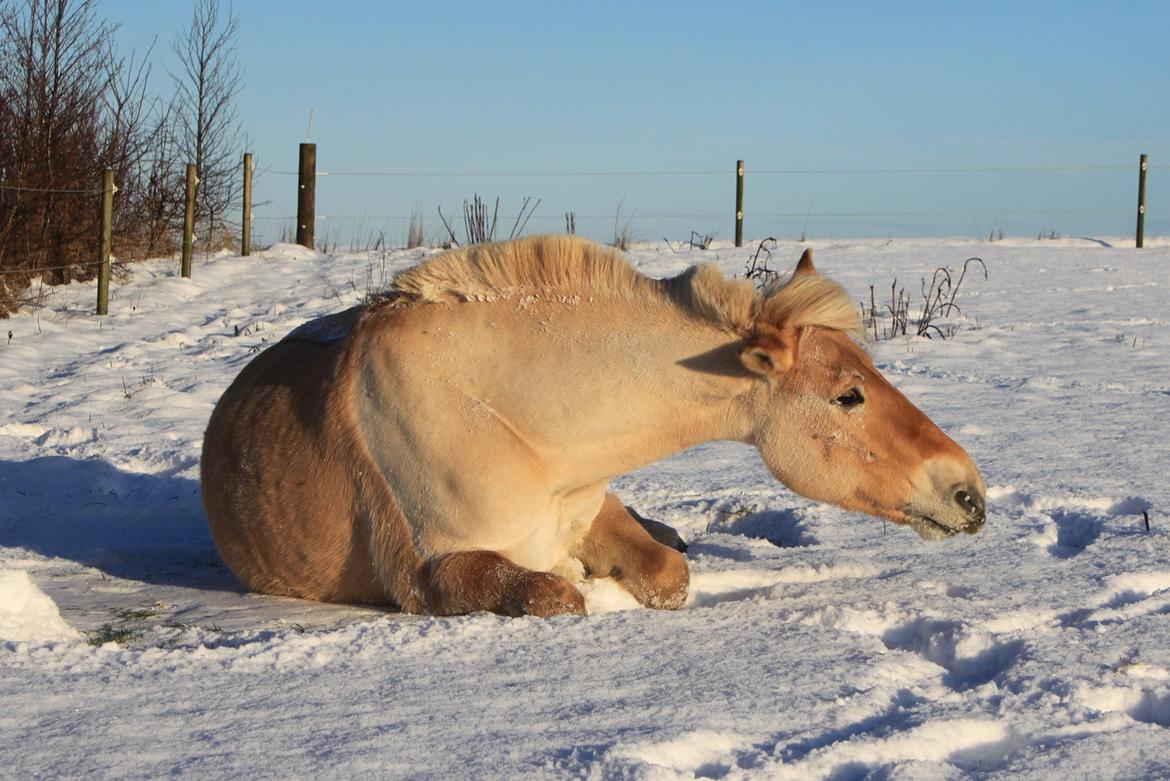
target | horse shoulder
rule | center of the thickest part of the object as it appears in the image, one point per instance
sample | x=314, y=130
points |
x=466, y=473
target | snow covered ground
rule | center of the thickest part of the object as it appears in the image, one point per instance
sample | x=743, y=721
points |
x=815, y=642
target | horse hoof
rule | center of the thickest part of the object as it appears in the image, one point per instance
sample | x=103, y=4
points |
x=544, y=594
x=661, y=532
x=665, y=587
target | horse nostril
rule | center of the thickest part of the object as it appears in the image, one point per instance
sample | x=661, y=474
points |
x=973, y=506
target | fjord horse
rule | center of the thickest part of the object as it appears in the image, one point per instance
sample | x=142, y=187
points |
x=447, y=446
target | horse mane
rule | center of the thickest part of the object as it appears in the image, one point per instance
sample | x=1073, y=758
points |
x=810, y=300
x=569, y=267
x=488, y=272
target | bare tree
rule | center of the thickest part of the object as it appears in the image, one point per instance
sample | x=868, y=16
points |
x=51, y=82
x=156, y=203
x=69, y=107
x=207, y=122
x=142, y=131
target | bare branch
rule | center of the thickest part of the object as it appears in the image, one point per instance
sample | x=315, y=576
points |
x=208, y=127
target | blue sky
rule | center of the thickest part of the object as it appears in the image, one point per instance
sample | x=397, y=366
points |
x=690, y=87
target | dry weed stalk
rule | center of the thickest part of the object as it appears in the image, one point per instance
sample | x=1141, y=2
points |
x=758, y=272
x=479, y=228
x=414, y=229
x=700, y=240
x=623, y=235
x=938, y=302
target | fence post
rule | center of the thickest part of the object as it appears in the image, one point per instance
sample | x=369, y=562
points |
x=107, y=220
x=246, y=218
x=739, y=203
x=307, y=195
x=1141, y=217
x=189, y=221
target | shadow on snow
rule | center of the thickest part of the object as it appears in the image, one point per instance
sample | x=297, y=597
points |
x=143, y=527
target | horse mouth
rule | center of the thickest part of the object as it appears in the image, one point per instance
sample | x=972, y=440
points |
x=930, y=529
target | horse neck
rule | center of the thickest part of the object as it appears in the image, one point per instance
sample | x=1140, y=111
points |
x=642, y=384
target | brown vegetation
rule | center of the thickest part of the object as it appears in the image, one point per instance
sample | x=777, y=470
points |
x=71, y=107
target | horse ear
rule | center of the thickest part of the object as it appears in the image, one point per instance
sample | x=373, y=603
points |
x=805, y=265
x=770, y=353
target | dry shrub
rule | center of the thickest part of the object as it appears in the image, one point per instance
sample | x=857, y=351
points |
x=71, y=107
x=938, y=303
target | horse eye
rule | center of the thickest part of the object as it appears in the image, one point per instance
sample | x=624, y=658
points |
x=850, y=399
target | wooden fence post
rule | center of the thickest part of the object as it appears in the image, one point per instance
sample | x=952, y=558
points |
x=1141, y=216
x=739, y=203
x=107, y=220
x=307, y=195
x=189, y=221
x=246, y=217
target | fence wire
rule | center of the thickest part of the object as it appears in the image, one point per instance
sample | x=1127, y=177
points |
x=635, y=217
x=38, y=270
x=49, y=190
x=747, y=215
x=729, y=172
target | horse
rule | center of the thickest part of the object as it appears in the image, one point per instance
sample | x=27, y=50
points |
x=446, y=447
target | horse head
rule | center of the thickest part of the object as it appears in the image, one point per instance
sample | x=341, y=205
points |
x=832, y=428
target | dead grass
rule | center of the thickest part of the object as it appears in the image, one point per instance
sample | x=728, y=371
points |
x=415, y=235
x=623, y=235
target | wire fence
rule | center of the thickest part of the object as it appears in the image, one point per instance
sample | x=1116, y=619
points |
x=27, y=272
x=935, y=215
x=49, y=190
x=779, y=180
x=39, y=269
x=695, y=215
x=756, y=215
x=763, y=172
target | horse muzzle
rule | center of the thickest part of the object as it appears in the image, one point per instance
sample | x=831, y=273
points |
x=948, y=505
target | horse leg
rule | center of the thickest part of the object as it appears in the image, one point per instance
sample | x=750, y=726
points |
x=618, y=546
x=469, y=581
x=661, y=533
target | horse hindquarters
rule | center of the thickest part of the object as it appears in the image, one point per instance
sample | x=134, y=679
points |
x=279, y=486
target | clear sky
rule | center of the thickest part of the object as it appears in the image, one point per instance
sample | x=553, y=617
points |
x=452, y=87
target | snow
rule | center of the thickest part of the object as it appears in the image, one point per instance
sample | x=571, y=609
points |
x=26, y=614
x=814, y=642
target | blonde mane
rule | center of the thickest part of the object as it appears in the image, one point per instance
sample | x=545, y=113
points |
x=567, y=266
x=487, y=272
x=810, y=300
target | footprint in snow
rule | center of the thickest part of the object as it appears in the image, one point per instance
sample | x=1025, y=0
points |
x=1125, y=596
x=1075, y=531
x=968, y=657
x=1141, y=703
x=1071, y=524
x=783, y=528
x=1078, y=527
